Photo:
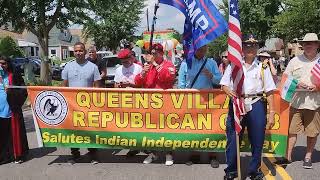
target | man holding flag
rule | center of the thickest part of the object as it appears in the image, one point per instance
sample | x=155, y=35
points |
x=203, y=24
x=254, y=113
x=304, y=113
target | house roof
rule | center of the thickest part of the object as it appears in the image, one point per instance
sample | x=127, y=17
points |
x=13, y=35
x=58, y=37
x=87, y=41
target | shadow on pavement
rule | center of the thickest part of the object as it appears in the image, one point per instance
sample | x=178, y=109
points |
x=39, y=153
x=115, y=156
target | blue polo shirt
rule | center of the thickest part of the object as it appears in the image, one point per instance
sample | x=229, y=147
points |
x=203, y=82
x=5, y=111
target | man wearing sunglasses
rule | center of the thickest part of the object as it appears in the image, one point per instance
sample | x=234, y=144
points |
x=157, y=73
x=256, y=83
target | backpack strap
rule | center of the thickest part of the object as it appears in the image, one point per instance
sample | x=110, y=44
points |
x=196, y=77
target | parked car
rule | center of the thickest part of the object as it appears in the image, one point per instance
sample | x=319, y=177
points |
x=113, y=63
x=18, y=63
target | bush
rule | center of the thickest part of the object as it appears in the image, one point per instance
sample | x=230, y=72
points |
x=9, y=48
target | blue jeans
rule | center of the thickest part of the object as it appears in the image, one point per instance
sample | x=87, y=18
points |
x=255, y=121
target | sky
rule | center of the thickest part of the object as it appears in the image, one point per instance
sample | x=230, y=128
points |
x=168, y=17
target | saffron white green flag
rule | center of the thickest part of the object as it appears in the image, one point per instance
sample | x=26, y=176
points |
x=288, y=87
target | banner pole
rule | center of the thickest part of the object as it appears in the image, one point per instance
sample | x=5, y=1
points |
x=238, y=156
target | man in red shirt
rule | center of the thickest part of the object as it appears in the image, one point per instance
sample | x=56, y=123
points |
x=157, y=73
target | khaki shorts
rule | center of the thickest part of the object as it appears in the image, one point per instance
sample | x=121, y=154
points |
x=304, y=121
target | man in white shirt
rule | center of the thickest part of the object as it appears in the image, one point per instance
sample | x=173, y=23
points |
x=305, y=106
x=125, y=74
x=255, y=84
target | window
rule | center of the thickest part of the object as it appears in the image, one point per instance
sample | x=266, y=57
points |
x=37, y=51
x=64, y=53
x=53, y=52
x=32, y=51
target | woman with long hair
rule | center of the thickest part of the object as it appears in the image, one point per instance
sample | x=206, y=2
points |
x=13, y=138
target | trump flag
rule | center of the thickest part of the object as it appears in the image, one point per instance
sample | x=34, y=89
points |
x=203, y=23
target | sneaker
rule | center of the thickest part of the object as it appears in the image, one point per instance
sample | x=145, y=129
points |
x=73, y=159
x=193, y=160
x=151, y=157
x=307, y=164
x=214, y=163
x=18, y=161
x=257, y=176
x=230, y=176
x=94, y=162
x=169, y=160
x=283, y=162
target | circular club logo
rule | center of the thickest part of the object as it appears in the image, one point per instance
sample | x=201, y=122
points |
x=51, y=107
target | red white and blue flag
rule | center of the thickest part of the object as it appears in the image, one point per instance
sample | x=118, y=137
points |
x=235, y=57
x=316, y=71
x=203, y=23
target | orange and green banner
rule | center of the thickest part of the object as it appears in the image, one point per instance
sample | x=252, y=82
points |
x=142, y=119
x=159, y=36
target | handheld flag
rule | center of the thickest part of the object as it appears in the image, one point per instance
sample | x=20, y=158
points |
x=316, y=71
x=235, y=57
x=288, y=87
x=203, y=23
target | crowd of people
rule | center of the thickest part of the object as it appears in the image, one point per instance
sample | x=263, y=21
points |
x=261, y=78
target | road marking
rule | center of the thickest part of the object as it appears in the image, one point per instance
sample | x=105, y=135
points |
x=282, y=172
x=266, y=172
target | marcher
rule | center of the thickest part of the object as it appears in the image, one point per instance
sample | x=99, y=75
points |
x=125, y=74
x=257, y=81
x=102, y=65
x=304, y=113
x=182, y=75
x=225, y=62
x=81, y=73
x=203, y=74
x=267, y=62
x=160, y=74
x=13, y=136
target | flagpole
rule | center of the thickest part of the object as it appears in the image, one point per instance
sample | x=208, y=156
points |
x=238, y=156
x=156, y=6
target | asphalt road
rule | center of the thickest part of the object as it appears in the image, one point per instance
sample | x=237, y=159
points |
x=51, y=164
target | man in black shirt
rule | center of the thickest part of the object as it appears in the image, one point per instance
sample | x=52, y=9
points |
x=100, y=63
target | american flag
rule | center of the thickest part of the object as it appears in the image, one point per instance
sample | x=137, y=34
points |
x=316, y=71
x=235, y=57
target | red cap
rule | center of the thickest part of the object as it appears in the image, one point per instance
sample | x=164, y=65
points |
x=124, y=53
x=157, y=47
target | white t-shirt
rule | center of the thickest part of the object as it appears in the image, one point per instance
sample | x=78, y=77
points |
x=127, y=74
x=300, y=69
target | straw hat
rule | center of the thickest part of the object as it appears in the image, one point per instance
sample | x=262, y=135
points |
x=310, y=37
x=264, y=54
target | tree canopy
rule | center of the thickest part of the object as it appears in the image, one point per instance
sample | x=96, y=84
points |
x=297, y=18
x=116, y=22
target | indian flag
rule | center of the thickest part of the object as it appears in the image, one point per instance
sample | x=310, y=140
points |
x=288, y=87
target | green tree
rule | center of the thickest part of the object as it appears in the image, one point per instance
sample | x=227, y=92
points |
x=258, y=16
x=297, y=18
x=218, y=46
x=118, y=22
x=39, y=17
x=9, y=48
